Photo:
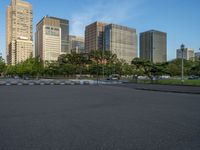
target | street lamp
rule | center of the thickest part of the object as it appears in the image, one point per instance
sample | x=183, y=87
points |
x=182, y=64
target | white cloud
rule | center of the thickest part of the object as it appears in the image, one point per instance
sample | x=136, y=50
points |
x=114, y=11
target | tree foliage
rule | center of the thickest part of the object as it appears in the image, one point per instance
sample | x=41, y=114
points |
x=2, y=65
x=98, y=63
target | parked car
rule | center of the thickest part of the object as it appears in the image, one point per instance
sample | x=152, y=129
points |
x=193, y=77
x=114, y=77
x=165, y=77
x=143, y=78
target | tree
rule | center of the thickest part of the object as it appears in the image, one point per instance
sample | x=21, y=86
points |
x=38, y=68
x=195, y=69
x=127, y=69
x=120, y=67
x=96, y=57
x=63, y=59
x=104, y=60
x=10, y=70
x=30, y=67
x=138, y=68
x=147, y=68
x=2, y=65
x=51, y=68
x=77, y=60
x=157, y=70
x=174, y=67
x=67, y=69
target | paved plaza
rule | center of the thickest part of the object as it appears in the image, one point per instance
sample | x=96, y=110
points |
x=91, y=117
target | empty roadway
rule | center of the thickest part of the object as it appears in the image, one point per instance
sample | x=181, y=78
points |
x=97, y=118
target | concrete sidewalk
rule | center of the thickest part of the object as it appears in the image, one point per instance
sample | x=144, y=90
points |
x=163, y=88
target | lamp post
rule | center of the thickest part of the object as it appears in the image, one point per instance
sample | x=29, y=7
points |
x=182, y=64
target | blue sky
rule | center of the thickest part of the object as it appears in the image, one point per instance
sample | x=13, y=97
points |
x=179, y=18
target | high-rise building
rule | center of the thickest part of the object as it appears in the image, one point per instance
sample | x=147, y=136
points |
x=19, y=39
x=188, y=54
x=77, y=44
x=122, y=41
x=94, y=36
x=197, y=56
x=153, y=46
x=51, y=38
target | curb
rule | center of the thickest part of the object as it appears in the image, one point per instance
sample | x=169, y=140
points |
x=167, y=91
x=55, y=83
x=197, y=92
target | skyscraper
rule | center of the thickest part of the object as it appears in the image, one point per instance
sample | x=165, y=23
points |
x=19, y=39
x=197, y=56
x=188, y=54
x=51, y=38
x=77, y=44
x=153, y=46
x=94, y=34
x=122, y=41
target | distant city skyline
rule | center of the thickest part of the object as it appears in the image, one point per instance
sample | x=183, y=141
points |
x=179, y=19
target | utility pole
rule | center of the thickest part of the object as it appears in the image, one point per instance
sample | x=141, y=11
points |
x=182, y=64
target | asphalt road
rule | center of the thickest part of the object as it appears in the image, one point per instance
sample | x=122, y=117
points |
x=97, y=118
